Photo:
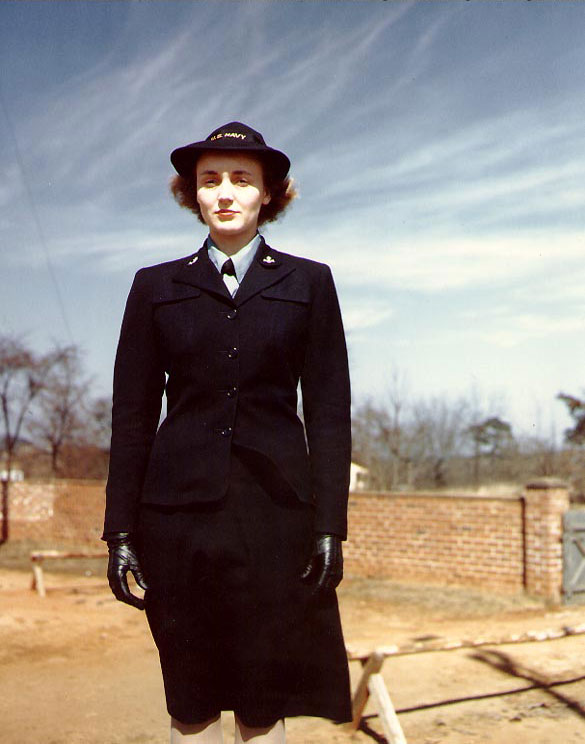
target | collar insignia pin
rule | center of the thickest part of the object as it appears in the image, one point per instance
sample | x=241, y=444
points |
x=268, y=260
x=193, y=260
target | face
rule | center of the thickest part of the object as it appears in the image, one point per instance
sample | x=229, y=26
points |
x=230, y=193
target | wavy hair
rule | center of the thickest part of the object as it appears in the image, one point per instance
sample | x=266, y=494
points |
x=282, y=192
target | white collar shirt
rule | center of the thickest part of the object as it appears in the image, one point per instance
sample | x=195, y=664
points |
x=242, y=261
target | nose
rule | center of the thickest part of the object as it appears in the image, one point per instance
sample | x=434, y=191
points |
x=225, y=191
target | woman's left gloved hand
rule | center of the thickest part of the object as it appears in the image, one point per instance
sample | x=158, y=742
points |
x=325, y=567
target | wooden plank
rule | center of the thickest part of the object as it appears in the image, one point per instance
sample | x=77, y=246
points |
x=41, y=555
x=446, y=644
x=360, y=698
x=381, y=700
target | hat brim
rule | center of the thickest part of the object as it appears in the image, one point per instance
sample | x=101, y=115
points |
x=185, y=158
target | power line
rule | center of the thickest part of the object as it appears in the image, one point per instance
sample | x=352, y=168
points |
x=36, y=219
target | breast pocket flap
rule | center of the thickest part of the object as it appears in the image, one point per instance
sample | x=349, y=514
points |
x=299, y=295
x=177, y=293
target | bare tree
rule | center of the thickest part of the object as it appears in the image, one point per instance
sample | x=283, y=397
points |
x=22, y=377
x=384, y=440
x=431, y=441
x=61, y=409
x=440, y=431
x=406, y=442
x=369, y=422
x=100, y=422
x=541, y=454
x=398, y=435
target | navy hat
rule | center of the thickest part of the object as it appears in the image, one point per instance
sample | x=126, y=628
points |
x=231, y=137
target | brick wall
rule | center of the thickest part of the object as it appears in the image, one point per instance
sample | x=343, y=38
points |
x=504, y=543
x=57, y=513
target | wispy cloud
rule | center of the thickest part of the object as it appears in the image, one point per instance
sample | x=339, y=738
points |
x=110, y=151
x=428, y=264
x=439, y=149
x=520, y=329
x=509, y=324
x=361, y=314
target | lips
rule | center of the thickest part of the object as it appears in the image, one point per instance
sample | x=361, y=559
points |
x=225, y=212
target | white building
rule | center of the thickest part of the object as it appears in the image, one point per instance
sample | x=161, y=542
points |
x=16, y=473
x=358, y=478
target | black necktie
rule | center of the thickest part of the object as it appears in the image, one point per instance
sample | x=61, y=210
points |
x=228, y=268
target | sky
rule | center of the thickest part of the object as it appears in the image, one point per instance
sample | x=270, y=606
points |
x=439, y=150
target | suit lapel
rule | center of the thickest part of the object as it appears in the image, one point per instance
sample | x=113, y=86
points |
x=200, y=272
x=267, y=268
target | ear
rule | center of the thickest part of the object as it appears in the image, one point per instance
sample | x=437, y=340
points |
x=266, y=198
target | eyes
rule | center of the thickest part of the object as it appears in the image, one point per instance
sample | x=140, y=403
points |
x=212, y=181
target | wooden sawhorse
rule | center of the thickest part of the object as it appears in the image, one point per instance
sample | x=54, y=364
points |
x=372, y=684
x=38, y=556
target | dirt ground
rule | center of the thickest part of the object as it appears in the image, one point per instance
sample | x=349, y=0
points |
x=80, y=668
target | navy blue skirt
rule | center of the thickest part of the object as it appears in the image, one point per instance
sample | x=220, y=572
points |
x=236, y=628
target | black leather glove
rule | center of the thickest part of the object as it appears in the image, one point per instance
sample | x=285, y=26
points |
x=122, y=559
x=325, y=567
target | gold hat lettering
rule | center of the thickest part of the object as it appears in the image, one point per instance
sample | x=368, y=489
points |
x=237, y=135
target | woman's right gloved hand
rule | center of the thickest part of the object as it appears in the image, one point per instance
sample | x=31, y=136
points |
x=122, y=559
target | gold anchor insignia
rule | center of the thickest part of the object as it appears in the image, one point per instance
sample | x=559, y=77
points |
x=193, y=260
x=268, y=260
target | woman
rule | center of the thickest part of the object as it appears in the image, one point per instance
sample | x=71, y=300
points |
x=231, y=514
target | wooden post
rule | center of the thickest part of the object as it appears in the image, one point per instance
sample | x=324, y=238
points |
x=372, y=685
x=38, y=581
x=381, y=699
x=546, y=499
x=371, y=665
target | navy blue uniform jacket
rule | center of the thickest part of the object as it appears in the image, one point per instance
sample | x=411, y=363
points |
x=230, y=368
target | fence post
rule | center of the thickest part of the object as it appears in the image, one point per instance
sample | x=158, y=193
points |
x=5, y=509
x=546, y=500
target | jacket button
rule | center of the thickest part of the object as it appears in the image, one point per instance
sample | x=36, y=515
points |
x=226, y=432
x=232, y=392
x=232, y=314
x=233, y=353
